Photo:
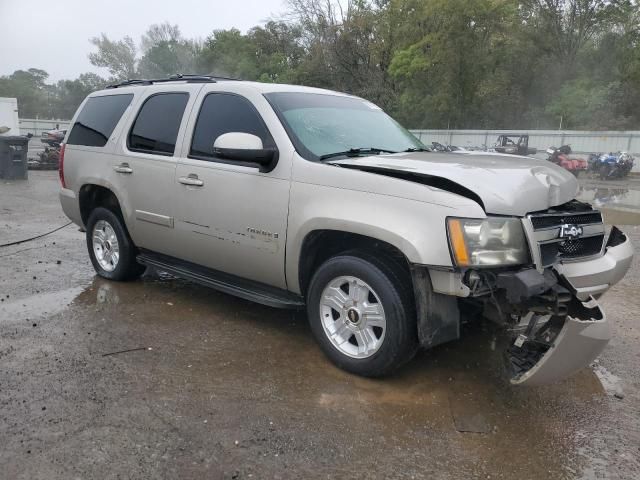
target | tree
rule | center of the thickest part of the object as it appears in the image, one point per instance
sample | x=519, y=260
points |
x=166, y=52
x=69, y=94
x=229, y=53
x=160, y=33
x=348, y=46
x=29, y=87
x=431, y=63
x=278, y=51
x=119, y=57
x=563, y=27
x=452, y=66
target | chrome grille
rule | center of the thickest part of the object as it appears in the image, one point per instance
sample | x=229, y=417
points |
x=548, y=247
x=555, y=220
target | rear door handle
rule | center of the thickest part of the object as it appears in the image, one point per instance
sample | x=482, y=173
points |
x=191, y=180
x=123, y=168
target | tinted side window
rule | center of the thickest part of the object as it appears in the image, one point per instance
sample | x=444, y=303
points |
x=155, y=129
x=98, y=118
x=223, y=113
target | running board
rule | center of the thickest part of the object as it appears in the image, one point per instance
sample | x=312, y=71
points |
x=224, y=282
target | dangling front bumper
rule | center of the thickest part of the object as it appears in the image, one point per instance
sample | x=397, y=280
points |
x=575, y=342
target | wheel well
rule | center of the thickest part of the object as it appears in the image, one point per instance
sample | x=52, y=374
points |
x=92, y=196
x=320, y=245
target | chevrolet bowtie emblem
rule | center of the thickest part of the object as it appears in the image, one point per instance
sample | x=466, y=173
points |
x=570, y=231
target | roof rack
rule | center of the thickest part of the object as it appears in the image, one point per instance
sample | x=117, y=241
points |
x=173, y=78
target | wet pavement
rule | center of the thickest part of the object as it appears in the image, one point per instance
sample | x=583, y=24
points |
x=619, y=199
x=159, y=378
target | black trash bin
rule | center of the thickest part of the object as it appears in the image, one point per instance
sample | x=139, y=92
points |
x=13, y=157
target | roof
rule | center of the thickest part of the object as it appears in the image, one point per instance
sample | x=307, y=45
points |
x=258, y=86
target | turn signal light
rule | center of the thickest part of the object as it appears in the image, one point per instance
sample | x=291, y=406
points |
x=457, y=242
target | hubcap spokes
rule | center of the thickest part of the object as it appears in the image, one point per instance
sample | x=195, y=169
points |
x=105, y=245
x=352, y=317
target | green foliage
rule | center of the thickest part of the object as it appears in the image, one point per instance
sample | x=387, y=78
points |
x=431, y=63
x=38, y=99
x=229, y=53
x=28, y=87
x=119, y=57
x=66, y=95
x=166, y=52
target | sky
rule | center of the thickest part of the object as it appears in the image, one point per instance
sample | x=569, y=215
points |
x=53, y=35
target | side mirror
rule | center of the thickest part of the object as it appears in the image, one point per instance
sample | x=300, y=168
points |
x=244, y=147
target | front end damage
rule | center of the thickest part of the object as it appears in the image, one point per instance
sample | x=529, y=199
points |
x=560, y=346
x=551, y=333
x=548, y=313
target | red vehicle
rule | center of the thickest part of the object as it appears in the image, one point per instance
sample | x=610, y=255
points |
x=560, y=156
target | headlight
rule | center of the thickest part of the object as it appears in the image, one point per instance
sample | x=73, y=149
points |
x=484, y=242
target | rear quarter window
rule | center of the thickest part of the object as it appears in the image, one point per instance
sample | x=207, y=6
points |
x=97, y=120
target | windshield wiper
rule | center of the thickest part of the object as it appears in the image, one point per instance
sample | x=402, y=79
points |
x=415, y=149
x=354, y=152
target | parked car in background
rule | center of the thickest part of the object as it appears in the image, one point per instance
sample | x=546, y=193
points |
x=298, y=197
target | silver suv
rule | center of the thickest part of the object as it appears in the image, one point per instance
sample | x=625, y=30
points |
x=298, y=197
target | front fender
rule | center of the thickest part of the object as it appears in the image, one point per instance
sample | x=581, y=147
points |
x=415, y=228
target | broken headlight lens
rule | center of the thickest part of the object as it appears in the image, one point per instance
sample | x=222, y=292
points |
x=492, y=241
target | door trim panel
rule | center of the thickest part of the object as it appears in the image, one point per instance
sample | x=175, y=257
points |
x=156, y=218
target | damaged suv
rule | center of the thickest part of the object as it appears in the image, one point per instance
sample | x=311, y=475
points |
x=298, y=197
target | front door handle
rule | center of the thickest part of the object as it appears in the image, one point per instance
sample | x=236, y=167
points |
x=123, y=168
x=191, y=180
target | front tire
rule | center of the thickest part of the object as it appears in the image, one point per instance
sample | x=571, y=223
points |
x=362, y=313
x=111, y=250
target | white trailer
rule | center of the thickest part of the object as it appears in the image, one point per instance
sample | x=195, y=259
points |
x=9, y=123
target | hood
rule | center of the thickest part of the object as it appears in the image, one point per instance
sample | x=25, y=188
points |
x=502, y=184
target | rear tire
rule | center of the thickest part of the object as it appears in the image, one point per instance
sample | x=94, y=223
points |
x=362, y=313
x=111, y=250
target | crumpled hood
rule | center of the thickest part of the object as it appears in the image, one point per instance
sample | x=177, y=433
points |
x=506, y=184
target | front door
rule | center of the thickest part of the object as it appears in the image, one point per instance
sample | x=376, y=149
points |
x=231, y=217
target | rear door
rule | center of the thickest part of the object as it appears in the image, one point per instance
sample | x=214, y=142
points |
x=145, y=168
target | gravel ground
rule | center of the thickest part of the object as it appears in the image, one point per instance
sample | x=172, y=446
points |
x=217, y=387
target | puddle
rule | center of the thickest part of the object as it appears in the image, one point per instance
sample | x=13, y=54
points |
x=37, y=305
x=619, y=204
x=611, y=197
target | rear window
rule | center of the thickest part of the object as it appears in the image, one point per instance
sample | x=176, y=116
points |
x=98, y=118
x=155, y=130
